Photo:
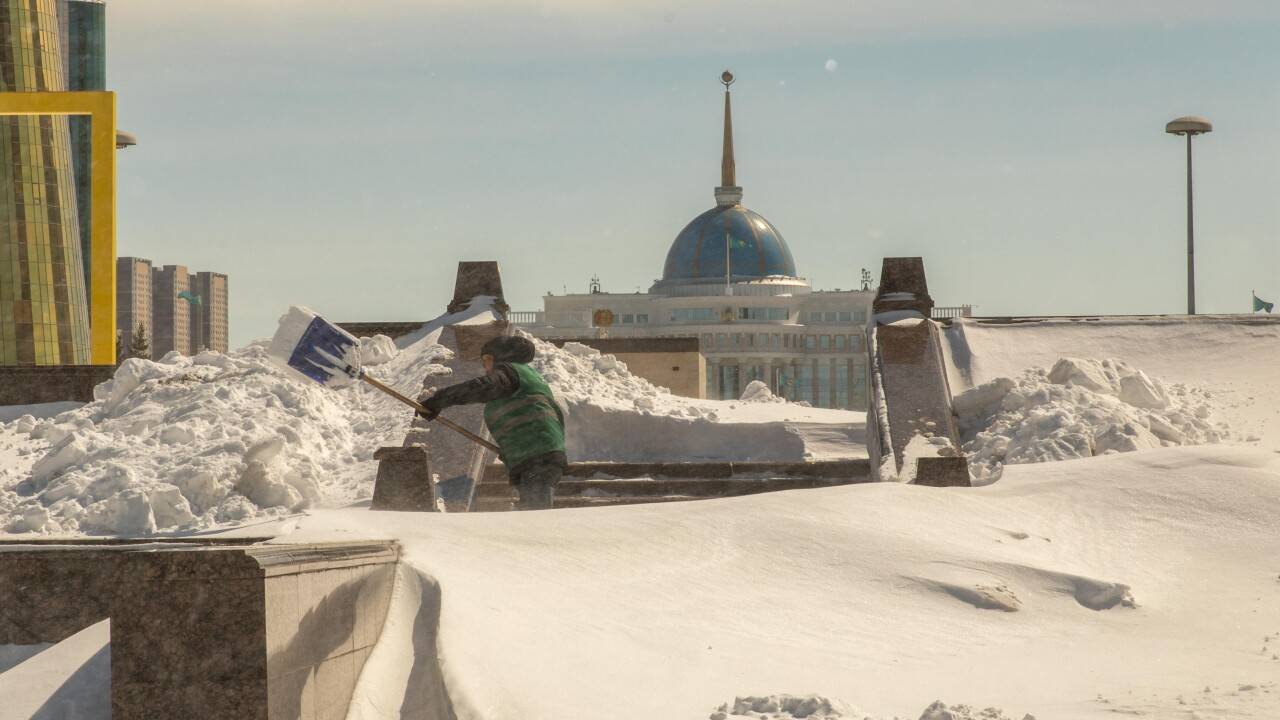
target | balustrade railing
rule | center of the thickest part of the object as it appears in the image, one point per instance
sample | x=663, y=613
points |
x=955, y=311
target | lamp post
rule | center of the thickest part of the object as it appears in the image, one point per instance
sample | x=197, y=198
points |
x=1190, y=126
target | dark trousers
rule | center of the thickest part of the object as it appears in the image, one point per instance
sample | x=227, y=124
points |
x=537, y=486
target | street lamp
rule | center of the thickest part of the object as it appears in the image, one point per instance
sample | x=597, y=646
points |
x=1190, y=126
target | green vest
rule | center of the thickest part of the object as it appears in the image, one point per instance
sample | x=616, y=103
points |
x=528, y=423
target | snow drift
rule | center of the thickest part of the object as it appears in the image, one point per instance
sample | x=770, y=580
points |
x=1080, y=408
x=1120, y=585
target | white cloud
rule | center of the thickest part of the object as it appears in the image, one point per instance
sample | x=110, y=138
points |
x=831, y=65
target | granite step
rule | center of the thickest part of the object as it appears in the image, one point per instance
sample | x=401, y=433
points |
x=650, y=487
x=599, y=484
x=859, y=468
x=493, y=504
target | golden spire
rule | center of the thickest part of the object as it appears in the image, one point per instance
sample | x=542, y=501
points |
x=728, y=193
x=727, y=170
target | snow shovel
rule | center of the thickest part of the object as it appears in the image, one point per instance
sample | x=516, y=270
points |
x=310, y=346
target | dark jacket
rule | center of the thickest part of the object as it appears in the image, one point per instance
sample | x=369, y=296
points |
x=499, y=383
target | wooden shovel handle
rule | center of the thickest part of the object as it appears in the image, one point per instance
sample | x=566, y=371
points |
x=418, y=406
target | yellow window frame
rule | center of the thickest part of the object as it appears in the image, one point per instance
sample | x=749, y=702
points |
x=101, y=106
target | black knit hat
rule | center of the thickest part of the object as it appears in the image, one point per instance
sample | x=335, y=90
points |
x=514, y=349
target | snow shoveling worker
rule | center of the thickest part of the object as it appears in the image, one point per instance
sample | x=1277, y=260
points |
x=522, y=416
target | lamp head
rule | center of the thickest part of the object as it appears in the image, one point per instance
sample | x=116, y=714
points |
x=1189, y=125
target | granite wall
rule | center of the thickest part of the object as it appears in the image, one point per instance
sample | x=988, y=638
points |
x=201, y=631
x=28, y=385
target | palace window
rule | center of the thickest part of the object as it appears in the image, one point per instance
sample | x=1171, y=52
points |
x=694, y=315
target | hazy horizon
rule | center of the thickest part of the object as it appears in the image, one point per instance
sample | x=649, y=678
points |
x=346, y=157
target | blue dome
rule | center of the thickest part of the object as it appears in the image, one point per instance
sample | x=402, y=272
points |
x=756, y=248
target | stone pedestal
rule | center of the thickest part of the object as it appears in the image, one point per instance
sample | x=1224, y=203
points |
x=910, y=393
x=262, y=632
x=942, y=472
x=404, y=480
x=903, y=287
x=477, y=278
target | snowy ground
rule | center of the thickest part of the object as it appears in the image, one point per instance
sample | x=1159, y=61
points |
x=1144, y=584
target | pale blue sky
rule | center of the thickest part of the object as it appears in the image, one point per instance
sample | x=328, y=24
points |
x=346, y=155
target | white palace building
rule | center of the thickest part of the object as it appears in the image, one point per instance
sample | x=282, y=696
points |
x=731, y=282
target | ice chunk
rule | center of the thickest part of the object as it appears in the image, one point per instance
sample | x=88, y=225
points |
x=215, y=359
x=1084, y=372
x=176, y=434
x=758, y=391
x=1126, y=437
x=201, y=489
x=580, y=350
x=265, y=451
x=169, y=507
x=70, y=451
x=377, y=350
x=983, y=399
x=258, y=486
x=127, y=513
x=1138, y=390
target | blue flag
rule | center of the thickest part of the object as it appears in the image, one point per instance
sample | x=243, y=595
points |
x=1260, y=304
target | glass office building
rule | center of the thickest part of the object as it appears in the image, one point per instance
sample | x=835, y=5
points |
x=44, y=318
x=85, y=43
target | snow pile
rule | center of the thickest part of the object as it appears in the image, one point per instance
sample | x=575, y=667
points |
x=1079, y=408
x=1231, y=356
x=940, y=711
x=786, y=707
x=613, y=415
x=188, y=443
x=583, y=375
x=816, y=707
x=759, y=392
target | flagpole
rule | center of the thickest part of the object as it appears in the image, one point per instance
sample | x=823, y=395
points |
x=728, y=268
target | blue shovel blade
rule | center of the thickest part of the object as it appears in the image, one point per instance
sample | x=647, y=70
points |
x=324, y=352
